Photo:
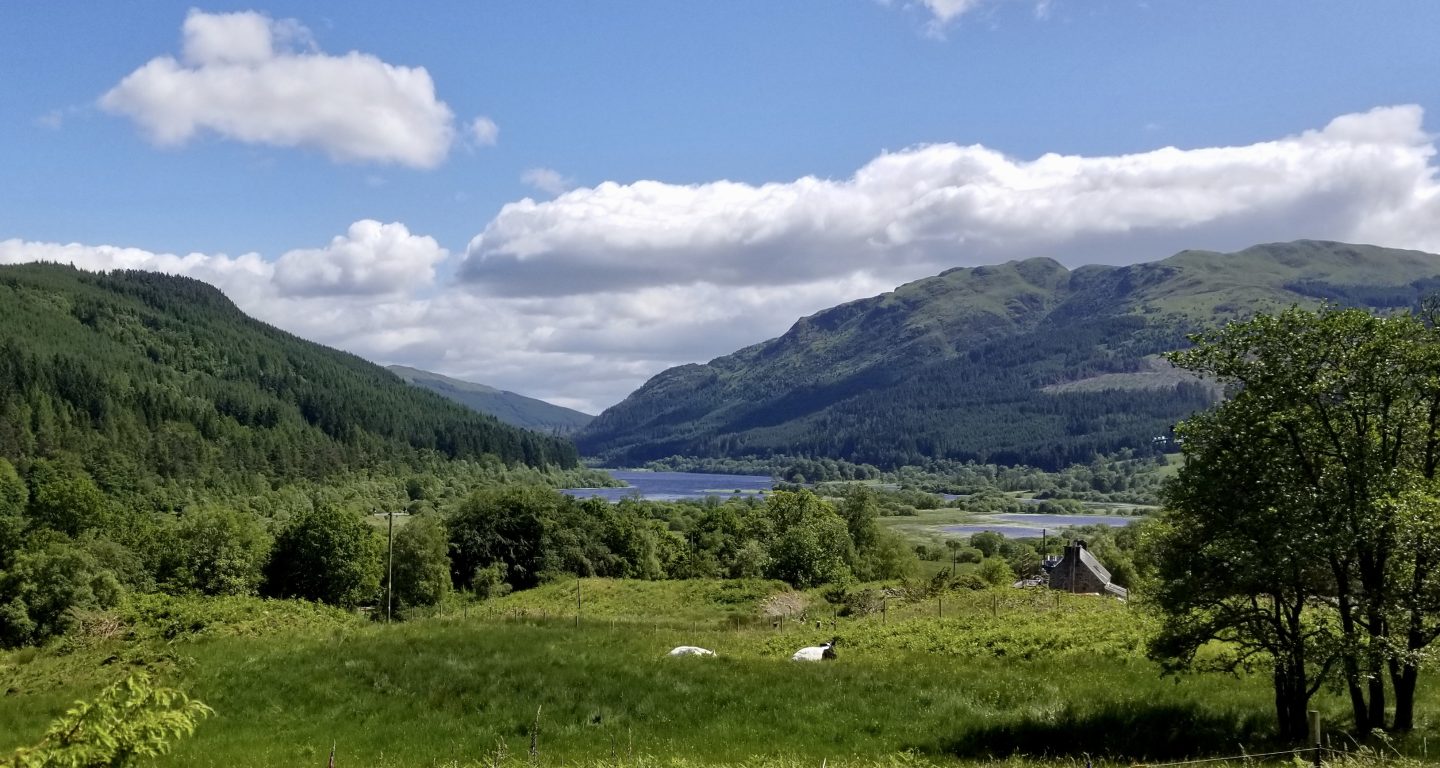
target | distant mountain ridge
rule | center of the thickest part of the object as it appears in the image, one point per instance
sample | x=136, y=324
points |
x=1020, y=363
x=509, y=407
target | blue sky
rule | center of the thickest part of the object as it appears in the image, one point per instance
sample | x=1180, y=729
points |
x=864, y=144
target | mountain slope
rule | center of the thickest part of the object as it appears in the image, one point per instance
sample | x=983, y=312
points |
x=974, y=363
x=509, y=407
x=146, y=378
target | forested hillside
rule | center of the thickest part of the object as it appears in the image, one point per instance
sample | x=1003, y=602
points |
x=147, y=379
x=1022, y=363
x=509, y=407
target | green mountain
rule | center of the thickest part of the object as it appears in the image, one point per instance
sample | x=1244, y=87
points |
x=1021, y=363
x=518, y=410
x=145, y=378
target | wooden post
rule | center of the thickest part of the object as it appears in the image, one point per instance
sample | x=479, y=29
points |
x=1315, y=734
x=390, y=566
x=577, y=602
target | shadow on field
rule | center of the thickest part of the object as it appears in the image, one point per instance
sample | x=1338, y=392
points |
x=1130, y=730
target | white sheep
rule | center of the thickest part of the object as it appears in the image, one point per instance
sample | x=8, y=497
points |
x=823, y=652
x=690, y=650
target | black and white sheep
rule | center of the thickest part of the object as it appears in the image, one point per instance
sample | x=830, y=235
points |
x=822, y=652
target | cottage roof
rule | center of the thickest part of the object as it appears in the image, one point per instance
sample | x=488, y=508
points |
x=1093, y=564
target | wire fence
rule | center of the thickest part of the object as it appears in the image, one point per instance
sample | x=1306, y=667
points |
x=1315, y=753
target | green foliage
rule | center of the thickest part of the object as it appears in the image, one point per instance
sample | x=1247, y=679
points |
x=505, y=526
x=219, y=551
x=811, y=543
x=713, y=602
x=422, y=562
x=996, y=571
x=46, y=587
x=65, y=499
x=988, y=542
x=176, y=618
x=149, y=379
x=14, y=496
x=489, y=581
x=128, y=720
x=328, y=555
x=1302, y=527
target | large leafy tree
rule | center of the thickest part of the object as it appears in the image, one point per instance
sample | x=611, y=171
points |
x=503, y=525
x=326, y=554
x=811, y=544
x=1315, y=487
x=422, y=562
x=219, y=551
x=1234, y=564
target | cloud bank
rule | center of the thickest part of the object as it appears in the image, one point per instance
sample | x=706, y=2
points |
x=579, y=299
x=1362, y=177
x=253, y=79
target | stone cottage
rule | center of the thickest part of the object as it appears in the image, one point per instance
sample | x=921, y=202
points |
x=1078, y=571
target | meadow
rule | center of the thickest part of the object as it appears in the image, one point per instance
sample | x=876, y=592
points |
x=970, y=676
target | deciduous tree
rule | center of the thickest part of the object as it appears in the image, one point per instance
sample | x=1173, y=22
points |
x=1331, y=440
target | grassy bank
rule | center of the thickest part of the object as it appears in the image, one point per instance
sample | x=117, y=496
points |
x=1001, y=674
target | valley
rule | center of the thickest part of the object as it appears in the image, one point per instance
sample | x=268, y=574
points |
x=217, y=495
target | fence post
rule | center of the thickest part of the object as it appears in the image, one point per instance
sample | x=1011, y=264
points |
x=1315, y=734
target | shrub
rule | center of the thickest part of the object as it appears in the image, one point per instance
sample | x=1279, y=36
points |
x=42, y=591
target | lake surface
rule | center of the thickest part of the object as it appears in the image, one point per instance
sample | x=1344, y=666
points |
x=674, y=486
x=1020, y=526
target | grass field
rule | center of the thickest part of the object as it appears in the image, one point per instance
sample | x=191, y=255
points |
x=1002, y=673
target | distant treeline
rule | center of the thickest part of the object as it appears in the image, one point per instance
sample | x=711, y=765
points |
x=1406, y=296
x=68, y=551
x=1126, y=477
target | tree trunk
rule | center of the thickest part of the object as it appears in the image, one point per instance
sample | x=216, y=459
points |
x=1405, y=696
x=1350, y=664
x=1376, y=714
x=1376, y=671
x=1291, y=700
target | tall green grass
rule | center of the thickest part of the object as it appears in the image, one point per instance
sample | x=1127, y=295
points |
x=1004, y=674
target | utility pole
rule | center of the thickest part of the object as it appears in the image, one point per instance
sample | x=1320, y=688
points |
x=390, y=566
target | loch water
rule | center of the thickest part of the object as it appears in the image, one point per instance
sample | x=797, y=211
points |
x=674, y=486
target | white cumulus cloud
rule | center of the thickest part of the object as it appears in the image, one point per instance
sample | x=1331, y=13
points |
x=370, y=259
x=1362, y=177
x=247, y=77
